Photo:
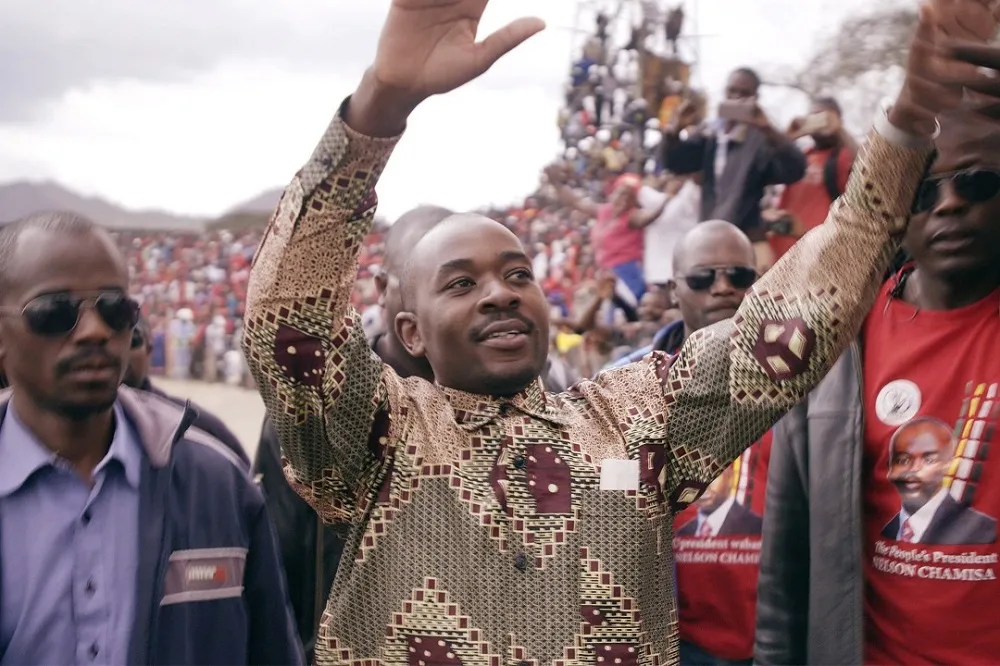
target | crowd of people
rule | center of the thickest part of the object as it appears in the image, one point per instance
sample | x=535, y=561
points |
x=650, y=168
x=691, y=402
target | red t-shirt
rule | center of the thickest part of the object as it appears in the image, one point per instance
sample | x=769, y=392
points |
x=930, y=390
x=614, y=241
x=808, y=198
x=717, y=551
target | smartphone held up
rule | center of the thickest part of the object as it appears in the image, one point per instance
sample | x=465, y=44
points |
x=740, y=111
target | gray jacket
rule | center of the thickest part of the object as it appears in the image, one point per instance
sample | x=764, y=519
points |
x=811, y=585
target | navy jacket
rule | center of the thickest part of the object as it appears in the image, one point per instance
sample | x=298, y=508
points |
x=668, y=339
x=207, y=421
x=200, y=510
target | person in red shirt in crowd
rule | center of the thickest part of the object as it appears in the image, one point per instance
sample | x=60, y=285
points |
x=718, y=537
x=880, y=539
x=617, y=235
x=805, y=204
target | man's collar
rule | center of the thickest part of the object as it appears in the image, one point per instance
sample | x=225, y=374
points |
x=669, y=338
x=23, y=454
x=719, y=515
x=920, y=520
x=473, y=411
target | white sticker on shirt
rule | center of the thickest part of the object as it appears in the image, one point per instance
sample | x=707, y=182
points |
x=620, y=475
x=898, y=402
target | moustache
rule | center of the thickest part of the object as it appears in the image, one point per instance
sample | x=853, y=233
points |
x=903, y=480
x=477, y=333
x=86, y=358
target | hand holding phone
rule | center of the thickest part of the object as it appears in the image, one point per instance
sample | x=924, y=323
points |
x=740, y=111
x=816, y=123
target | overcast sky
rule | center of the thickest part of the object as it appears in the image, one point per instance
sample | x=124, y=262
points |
x=193, y=106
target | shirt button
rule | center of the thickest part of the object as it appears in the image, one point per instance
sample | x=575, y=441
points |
x=90, y=588
x=93, y=650
x=86, y=517
x=519, y=462
x=521, y=561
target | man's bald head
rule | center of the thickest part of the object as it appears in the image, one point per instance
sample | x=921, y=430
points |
x=713, y=267
x=693, y=246
x=407, y=231
x=421, y=254
x=399, y=241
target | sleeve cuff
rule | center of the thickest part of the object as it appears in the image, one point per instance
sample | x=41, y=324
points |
x=893, y=134
x=339, y=143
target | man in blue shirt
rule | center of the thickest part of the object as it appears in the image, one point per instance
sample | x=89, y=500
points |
x=125, y=536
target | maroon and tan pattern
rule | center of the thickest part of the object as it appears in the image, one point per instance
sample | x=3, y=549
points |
x=481, y=529
x=430, y=630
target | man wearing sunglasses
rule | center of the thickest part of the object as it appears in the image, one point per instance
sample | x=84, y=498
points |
x=126, y=536
x=137, y=376
x=718, y=538
x=880, y=536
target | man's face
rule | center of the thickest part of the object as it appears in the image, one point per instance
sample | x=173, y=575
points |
x=652, y=305
x=711, y=265
x=919, y=457
x=623, y=199
x=956, y=233
x=480, y=318
x=717, y=492
x=74, y=373
x=740, y=87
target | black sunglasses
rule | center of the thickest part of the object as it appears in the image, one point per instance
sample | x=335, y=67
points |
x=973, y=185
x=52, y=315
x=702, y=279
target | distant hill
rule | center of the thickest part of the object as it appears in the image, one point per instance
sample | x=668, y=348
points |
x=23, y=198
x=265, y=202
x=250, y=214
x=256, y=213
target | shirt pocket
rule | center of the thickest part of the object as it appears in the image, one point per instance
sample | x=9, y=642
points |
x=204, y=574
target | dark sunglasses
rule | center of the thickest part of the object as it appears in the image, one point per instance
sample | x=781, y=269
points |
x=973, y=185
x=52, y=315
x=702, y=279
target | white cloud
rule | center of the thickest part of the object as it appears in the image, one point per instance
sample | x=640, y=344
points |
x=201, y=143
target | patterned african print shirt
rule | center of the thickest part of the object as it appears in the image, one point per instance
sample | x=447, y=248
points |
x=534, y=529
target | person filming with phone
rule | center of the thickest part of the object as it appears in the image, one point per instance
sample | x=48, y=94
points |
x=738, y=154
x=805, y=204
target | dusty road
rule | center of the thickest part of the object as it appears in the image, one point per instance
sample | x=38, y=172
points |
x=240, y=409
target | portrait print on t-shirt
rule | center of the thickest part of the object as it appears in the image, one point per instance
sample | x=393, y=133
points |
x=720, y=513
x=931, y=482
x=717, y=551
x=922, y=468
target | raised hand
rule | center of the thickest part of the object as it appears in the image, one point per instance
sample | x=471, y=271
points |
x=428, y=47
x=937, y=74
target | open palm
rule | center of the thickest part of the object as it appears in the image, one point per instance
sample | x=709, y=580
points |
x=429, y=47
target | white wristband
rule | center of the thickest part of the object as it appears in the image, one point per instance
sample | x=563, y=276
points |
x=893, y=134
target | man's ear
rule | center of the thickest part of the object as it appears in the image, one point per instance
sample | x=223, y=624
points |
x=381, y=283
x=408, y=333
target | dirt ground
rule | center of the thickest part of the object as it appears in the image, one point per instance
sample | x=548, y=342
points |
x=240, y=409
